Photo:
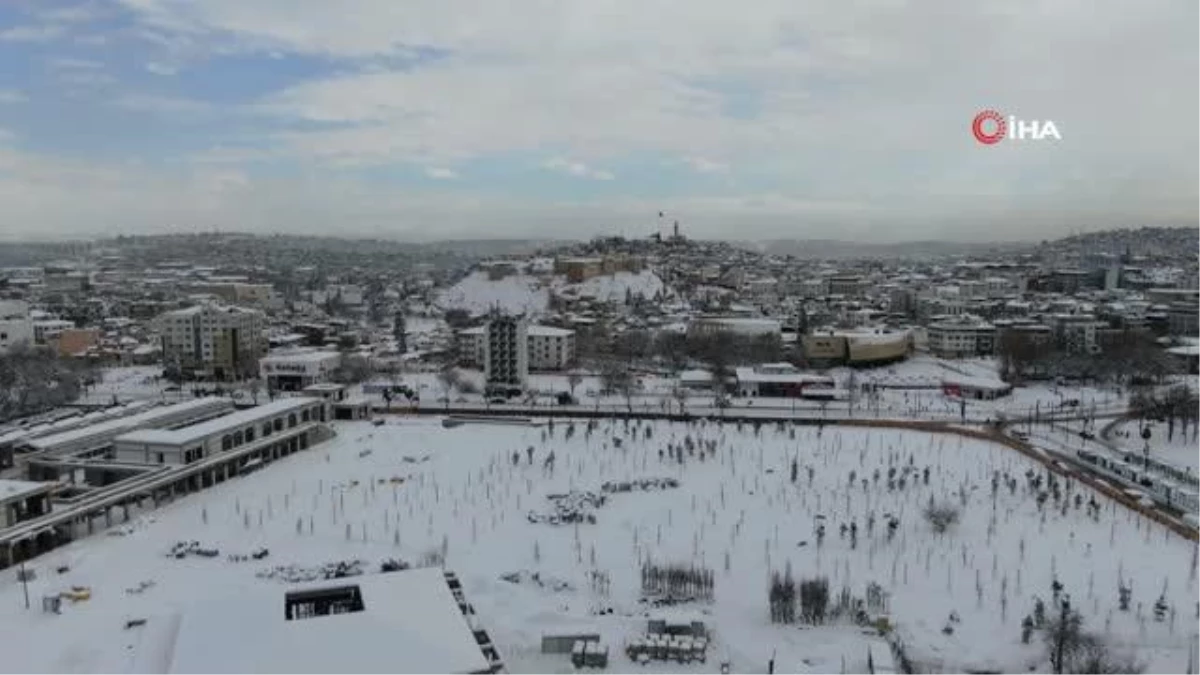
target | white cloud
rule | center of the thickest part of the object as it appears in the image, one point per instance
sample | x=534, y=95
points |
x=7, y=136
x=77, y=14
x=161, y=68
x=92, y=40
x=441, y=173
x=839, y=102
x=32, y=33
x=577, y=169
x=702, y=165
x=166, y=105
x=8, y=96
x=64, y=63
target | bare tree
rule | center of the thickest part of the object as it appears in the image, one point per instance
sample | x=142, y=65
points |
x=573, y=380
x=615, y=378
x=449, y=378
x=681, y=396
x=353, y=369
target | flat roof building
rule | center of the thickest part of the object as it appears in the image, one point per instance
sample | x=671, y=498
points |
x=400, y=622
x=98, y=437
x=285, y=416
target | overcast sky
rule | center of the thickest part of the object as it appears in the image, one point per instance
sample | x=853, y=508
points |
x=420, y=119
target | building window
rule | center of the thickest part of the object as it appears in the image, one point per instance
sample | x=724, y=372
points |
x=249, y=434
x=304, y=415
x=279, y=424
x=291, y=420
x=226, y=442
x=266, y=429
x=161, y=458
x=237, y=438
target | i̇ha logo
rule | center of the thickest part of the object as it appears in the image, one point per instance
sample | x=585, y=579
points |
x=990, y=127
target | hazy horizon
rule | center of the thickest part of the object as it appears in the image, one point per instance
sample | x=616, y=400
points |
x=424, y=121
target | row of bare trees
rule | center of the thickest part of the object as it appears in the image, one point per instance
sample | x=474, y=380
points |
x=1131, y=358
x=1177, y=405
x=34, y=379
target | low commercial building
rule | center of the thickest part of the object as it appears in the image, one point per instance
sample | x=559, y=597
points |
x=97, y=439
x=413, y=621
x=293, y=371
x=292, y=418
x=961, y=337
x=859, y=349
x=705, y=326
x=22, y=500
x=975, y=388
x=778, y=380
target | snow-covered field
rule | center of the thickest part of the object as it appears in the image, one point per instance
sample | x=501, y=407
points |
x=736, y=511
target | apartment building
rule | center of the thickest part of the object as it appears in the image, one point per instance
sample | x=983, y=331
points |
x=1183, y=319
x=213, y=341
x=15, y=325
x=550, y=348
x=547, y=347
x=1076, y=333
x=506, y=358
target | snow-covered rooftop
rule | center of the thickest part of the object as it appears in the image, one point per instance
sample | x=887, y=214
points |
x=12, y=490
x=147, y=418
x=410, y=623
x=217, y=425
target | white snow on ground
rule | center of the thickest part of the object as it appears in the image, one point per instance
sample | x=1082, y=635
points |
x=128, y=383
x=477, y=293
x=739, y=503
x=1180, y=449
x=521, y=293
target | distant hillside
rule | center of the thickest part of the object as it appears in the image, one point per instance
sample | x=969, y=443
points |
x=831, y=249
x=1142, y=241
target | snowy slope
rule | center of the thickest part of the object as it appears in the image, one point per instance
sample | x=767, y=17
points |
x=477, y=293
x=612, y=288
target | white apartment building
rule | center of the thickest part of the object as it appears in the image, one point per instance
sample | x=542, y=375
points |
x=15, y=326
x=49, y=329
x=1076, y=333
x=506, y=359
x=961, y=337
x=213, y=341
x=548, y=348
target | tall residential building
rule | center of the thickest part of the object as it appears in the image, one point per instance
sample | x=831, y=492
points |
x=506, y=359
x=548, y=348
x=15, y=326
x=213, y=341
